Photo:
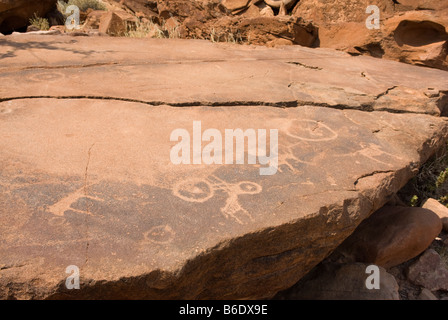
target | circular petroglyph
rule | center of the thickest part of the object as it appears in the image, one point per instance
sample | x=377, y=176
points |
x=45, y=76
x=311, y=130
x=56, y=221
x=247, y=187
x=195, y=190
x=160, y=234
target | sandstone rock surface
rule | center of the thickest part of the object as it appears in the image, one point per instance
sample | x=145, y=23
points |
x=86, y=177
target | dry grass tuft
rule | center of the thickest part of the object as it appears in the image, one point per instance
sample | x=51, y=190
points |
x=40, y=23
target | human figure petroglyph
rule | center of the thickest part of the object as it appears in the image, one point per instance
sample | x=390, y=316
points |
x=201, y=190
x=233, y=206
x=279, y=3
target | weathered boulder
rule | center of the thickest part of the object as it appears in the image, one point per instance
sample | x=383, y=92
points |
x=418, y=38
x=267, y=12
x=439, y=209
x=342, y=282
x=279, y=4
x=391, y=236
x=146, y=8
x=429, y=271
x=112, y=24
x=15, y=15
x=87, y=179
x=424, y=4
x=425, y=294
x=252, y=11
x=235, y=5
x=115, y=23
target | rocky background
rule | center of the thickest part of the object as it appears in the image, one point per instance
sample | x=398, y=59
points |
x=411, y=31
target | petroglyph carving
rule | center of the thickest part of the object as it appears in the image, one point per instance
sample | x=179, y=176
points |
x=162, y=234
x=303, y=130
x=201, y=190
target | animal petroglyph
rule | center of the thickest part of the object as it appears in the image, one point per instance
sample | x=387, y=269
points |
x=201, y=190
x=288, y=156
x=66, y=203
x=311, y=130
x=302, y=130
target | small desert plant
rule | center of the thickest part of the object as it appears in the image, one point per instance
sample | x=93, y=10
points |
x=143, y=29
x=234, y=37
x=430, y=182
x=83, y=5
x=40, y=23
x=225, y=36
x=173, y=33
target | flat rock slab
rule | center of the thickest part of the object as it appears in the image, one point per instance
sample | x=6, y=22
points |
x=86, y=177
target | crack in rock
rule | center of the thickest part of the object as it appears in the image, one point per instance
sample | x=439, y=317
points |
x=371, y=174
x=304, y=65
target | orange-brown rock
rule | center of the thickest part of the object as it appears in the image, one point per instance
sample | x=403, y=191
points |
x=325, y=13
x=93, y=19
x=234, y=5
x=415, y=37
x=391, y=236
x=439, y=209
x=114, y=23
x=424, y=4
x=86, y=177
